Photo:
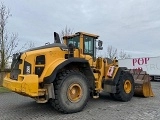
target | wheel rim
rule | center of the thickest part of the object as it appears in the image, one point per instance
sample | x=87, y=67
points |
x=74, y=92
x=127, y=86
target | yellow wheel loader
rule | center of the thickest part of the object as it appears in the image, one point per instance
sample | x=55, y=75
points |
x=66, y=74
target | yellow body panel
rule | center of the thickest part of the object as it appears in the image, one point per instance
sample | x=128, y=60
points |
x=21, y=65
x=51, y=67
x=25, y=85
x=54, y=56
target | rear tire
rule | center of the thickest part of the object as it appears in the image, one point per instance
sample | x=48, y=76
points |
x=71, y=92
x=124, y=87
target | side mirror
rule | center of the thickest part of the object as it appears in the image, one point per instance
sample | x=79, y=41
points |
x=100, y=43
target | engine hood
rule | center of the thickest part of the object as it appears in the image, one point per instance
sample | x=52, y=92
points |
x=47, y=46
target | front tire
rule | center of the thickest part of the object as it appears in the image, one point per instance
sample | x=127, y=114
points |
x=124, y=87
x=71, y=92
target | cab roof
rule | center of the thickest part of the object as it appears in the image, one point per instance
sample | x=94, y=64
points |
x=83, y=33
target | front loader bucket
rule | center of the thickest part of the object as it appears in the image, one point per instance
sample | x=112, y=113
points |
x=142, y=83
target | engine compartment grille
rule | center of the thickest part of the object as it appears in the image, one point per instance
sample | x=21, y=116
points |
x=15, y=71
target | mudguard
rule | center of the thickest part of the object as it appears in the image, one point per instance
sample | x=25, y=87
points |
x=58, y=65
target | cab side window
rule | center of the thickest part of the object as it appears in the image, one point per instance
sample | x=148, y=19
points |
x=74, y=41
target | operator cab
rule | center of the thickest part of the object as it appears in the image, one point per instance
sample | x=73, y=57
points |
x=85, y=42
